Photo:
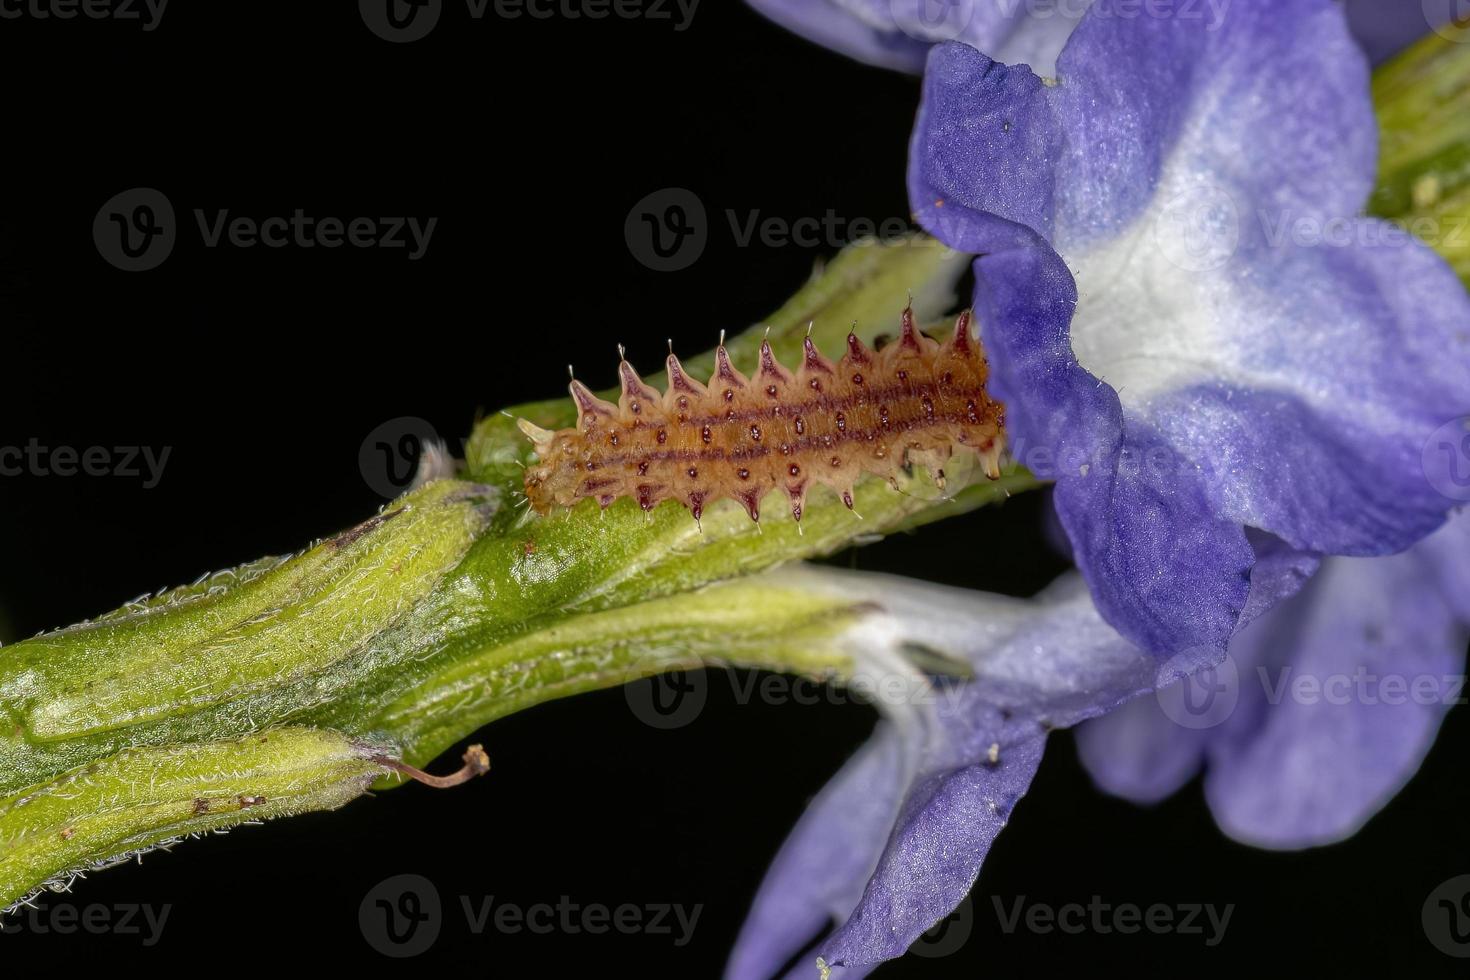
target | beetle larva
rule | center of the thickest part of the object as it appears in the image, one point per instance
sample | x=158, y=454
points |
x=914, y=402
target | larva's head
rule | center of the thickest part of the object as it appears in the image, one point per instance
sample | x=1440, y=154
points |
x=551, y=481
x=539, y=489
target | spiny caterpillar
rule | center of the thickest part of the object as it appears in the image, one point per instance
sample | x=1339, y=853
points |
x=914, y=402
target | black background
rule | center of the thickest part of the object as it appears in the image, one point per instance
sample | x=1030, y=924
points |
x=265, y=369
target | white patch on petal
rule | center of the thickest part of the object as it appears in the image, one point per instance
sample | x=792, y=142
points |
x=1206, y=284
x=1153, y=303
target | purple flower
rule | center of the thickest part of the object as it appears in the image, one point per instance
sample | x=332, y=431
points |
x=1324, y=708
x=1229, y=374
x=897, y=34
x=1194, y=331
x=896, y=839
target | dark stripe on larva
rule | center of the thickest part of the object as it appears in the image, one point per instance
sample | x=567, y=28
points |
x=916, y=401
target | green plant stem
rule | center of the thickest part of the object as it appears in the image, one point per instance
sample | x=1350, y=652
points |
x=141, y=798
x=291, y=684
x=451, y=609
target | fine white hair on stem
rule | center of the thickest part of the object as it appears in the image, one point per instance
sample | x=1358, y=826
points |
x=436, y=462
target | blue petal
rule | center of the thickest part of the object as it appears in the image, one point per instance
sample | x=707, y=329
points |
x=1280, y=572
x=1137, y=752
x=897, y=34
x=897, y=839
x=1448, y=553
x=819, y=874
x=1342, y=692
x=932, y=859
x=1141, y=753
x=1226, y=366
x=1331, y=700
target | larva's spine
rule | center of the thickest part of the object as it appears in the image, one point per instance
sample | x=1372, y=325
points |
x=916, y=401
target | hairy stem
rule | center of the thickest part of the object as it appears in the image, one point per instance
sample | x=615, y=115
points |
x=291, y=683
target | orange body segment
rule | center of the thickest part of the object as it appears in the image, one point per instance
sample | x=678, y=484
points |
x=915, y=402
